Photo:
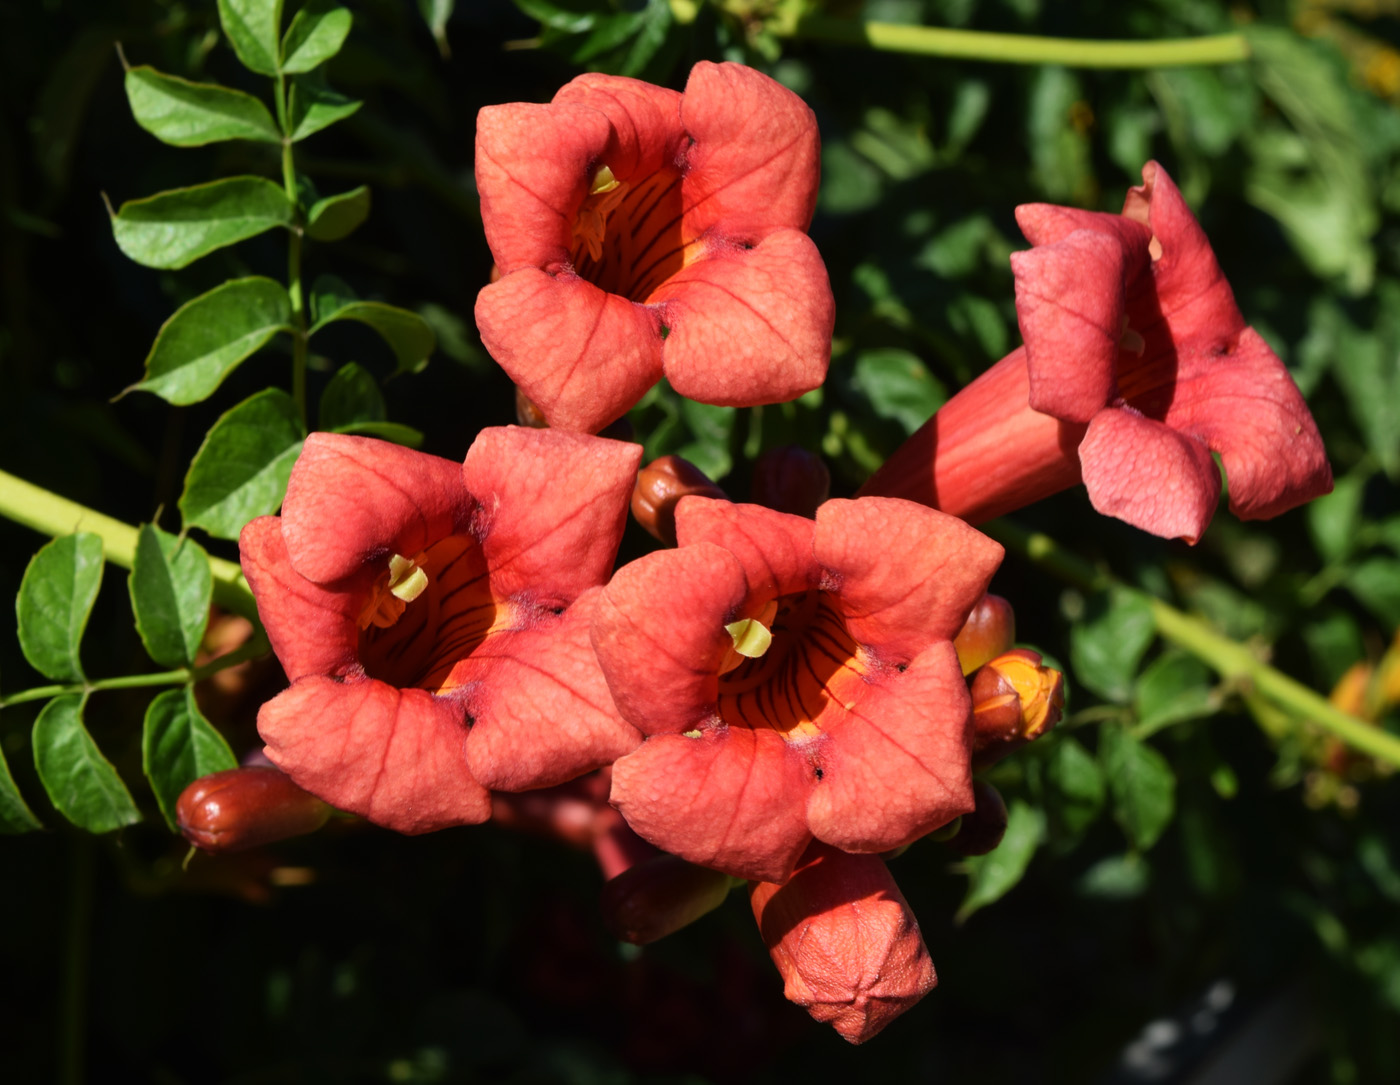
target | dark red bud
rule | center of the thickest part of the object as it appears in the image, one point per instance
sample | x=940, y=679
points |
x=660, y=485
x=660, y=896
x=981, y=831
x=989, y=631
x=243, y=808
x=791, y=479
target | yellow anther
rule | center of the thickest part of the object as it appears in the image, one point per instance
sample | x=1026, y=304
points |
x=605, y=192
x=751, y=637
x=406, y=578
x=395, y=589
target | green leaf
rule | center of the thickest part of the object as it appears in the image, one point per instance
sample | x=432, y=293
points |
x=1118, y=877
x=171, y=585
x=899, y=386
x=569, y=16
x=55, y=599
x=317, y=32
x=175, y=228
x=1107, y=645
x=313, y=106
x=711, y=427
x=1060, y=157
x=339, y=216
x=178, y=746
x=186, y=114
x=1076, y=785
x=992, y=876
x=15, y=815
x=82, y=784
x=407, y=334
x=1175, y=688
x=206, y=338
x=1142, y=784
x=1376, y=582
x=241, y=470
x=386, y=431
x=351, y=397
x=252, y=28
x=436, y=13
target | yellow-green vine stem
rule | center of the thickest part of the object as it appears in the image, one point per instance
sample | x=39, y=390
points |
x=1226, y=657
x=49, y=514
x=294, y=291
x=1018, y=48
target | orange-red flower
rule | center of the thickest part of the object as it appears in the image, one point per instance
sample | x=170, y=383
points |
x=794, y=679
x=639, y=232
x=1137, y=366
x=433, y=619
x=845, y=941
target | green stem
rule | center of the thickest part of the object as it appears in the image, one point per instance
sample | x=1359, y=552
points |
x=49, y=514
x=1227, y=658
x=294, y=290
x=1020, y=48
x=256, y=646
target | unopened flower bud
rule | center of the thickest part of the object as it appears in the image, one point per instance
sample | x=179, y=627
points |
x=791, y=479
x=843, y=938
x=659, y=896
x=660, y=485
x=526, y=413
x=989, y=631
x=1014, y=700
x=243, y=808
x=981, y=831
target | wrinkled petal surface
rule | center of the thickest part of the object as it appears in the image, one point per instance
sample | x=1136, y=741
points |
x=729, y=798
x=543, y=714
x=1149, y=475
x=396, y=757
x=774, y=548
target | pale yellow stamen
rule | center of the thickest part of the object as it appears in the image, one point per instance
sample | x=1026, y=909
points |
x=751, y=637
x=403, y=583
x=604, y=194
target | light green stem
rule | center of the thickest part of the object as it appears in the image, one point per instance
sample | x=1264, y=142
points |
x=1020, y=48
x=1224, y=656
x=255, y=646
x=294, y=290
x=49, y=514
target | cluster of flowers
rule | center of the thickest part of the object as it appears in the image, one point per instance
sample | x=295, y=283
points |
x=785, y=695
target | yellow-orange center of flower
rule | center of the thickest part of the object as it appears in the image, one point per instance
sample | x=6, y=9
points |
x=807, y=678
x=427, y=614
x=629, y=237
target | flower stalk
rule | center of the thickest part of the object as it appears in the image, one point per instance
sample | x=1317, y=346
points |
x=1229, y=659
x=1019, y=48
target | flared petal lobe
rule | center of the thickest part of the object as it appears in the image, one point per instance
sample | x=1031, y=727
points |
x=640, y=232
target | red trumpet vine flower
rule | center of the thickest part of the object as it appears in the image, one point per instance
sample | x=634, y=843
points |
x=845, y=941
x=639, y=232
x=1137, y=365
x=794, y=679
x=433, y=620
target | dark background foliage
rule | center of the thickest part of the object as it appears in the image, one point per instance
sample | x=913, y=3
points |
x=1236, y=897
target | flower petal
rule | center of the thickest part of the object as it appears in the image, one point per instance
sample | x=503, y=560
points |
x=544, y=715
x=1245, y=406
x=396, y=757
x=583, y=356
x=313, y=630
x=748, y=326
x=756, y=162
x=1149, y=475
x=660, y=637
x=730, y=799
x=905, y=574
x=553, y=506
x=1071, y=304
x=899, y=766
x=351, y=499
x=533, y=165
x=645, y=121
x=774, y=548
